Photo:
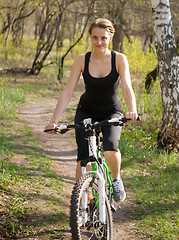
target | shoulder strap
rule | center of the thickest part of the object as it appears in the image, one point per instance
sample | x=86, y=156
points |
x=113, y=59
x=87, y=58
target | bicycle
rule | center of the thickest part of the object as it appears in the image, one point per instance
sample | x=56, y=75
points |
x=91, y=201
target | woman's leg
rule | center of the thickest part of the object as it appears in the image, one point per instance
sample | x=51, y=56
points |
x=78, y=169
x=113, y=160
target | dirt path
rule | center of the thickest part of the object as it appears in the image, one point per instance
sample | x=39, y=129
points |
x=61, y=150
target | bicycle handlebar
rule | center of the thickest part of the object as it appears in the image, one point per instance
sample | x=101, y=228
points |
x=88, y=125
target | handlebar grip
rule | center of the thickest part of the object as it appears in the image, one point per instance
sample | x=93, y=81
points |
x=129, y=119
x=50, y=129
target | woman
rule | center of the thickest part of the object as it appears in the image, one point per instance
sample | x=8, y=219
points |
x=101, y=69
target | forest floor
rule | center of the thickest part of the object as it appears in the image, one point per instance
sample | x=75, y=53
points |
x=61, y=149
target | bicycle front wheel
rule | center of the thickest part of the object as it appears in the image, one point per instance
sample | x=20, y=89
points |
x=85, y=222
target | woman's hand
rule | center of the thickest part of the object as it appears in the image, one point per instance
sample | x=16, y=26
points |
x=51, y=126
x=132, y=115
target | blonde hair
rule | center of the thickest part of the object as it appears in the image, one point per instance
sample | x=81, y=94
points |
x=102, y=23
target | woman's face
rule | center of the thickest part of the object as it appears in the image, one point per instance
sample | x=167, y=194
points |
x=100, y=38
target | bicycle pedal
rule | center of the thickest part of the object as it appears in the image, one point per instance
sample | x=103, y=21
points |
x=113, y=209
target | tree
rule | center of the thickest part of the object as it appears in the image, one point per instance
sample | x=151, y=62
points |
x=90, y=8
x=117, y=11
x=50, y=22
x=13, y=21
x=168, y=136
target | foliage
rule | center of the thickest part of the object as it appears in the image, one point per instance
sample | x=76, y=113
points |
x=17, y=56
x=149, y=105
x=139, y=62
x=83, y=46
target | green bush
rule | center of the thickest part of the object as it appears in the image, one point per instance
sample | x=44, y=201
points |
x=139, y=62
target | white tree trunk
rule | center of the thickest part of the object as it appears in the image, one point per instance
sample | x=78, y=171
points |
x=168, y=72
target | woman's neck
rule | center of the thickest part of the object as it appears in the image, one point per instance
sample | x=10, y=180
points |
x=100, y=54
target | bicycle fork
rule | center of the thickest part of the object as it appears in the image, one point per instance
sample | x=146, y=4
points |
x=101, y=185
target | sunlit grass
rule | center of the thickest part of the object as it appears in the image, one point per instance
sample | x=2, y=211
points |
x=153, y=176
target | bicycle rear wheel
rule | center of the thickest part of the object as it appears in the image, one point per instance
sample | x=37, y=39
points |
x=91, y=229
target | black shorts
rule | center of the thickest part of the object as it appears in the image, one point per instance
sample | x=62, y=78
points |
x=111, y=134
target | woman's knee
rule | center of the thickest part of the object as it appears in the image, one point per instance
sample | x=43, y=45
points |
x=112, y=154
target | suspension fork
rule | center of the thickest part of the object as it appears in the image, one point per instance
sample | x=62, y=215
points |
x=100, y=178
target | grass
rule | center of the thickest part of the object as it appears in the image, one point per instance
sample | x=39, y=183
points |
x=152, y=175
x=26, y=176
x=154, y=179
x=22, y=182
x=25, y=172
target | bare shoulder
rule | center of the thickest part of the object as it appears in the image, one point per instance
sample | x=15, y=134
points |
x=79, y=61
x=80, y=58
x=121, y=62
x=120, y=57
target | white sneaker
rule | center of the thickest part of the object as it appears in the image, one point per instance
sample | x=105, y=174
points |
x=119, y=193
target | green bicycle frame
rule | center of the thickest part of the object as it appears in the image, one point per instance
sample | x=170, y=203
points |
x=94, y=167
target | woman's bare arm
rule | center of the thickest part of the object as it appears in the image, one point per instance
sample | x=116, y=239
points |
x=66, y=95
x=127, y=90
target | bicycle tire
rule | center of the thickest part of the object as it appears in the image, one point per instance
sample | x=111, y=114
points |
x=92, y=230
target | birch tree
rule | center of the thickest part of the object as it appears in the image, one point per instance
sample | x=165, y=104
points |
x=168, y=136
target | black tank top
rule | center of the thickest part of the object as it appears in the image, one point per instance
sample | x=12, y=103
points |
x=101, y=94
